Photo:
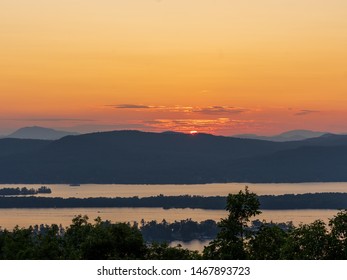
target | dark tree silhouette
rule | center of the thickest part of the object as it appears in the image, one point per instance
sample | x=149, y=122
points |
x=229, y=243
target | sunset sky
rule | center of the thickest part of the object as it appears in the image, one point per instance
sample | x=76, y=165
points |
x=216, y=66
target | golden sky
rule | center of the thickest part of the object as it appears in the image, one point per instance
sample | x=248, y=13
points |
x=218, y=66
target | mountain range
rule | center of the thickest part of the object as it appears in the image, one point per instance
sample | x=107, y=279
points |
x=40, y=133
x=134, y=157
x=292, y=135
x=43, y=133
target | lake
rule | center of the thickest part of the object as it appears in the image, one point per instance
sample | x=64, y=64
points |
x=25, y=217
x=110, y=190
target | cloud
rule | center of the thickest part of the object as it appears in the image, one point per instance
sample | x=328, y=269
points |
x=305, y=112
x=129, y=106
x=152, y=122
x=176, y=108
x=109, y=127
x=184, y=124
x=219, y=110
x=201, y=125
x=51, y=120
x=210, y=110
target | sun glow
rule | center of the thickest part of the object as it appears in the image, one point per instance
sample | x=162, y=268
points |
x=193, y=132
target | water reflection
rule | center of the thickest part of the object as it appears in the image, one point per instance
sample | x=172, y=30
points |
x=109, y=190
x=25, y=217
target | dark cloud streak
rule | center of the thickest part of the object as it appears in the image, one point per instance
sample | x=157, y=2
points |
x=210, y=110
x=306, y=112
x=50, y=120
x=129, y=106
x=219, y=110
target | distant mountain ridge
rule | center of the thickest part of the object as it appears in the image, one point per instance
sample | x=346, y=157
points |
x=40, y=133
x=134, y=157
x=292, y=135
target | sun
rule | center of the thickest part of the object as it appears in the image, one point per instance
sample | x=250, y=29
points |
x=193, y=132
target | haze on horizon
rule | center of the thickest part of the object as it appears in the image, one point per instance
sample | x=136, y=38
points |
x=223, y=67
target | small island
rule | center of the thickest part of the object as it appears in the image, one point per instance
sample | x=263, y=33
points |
x=24, y=191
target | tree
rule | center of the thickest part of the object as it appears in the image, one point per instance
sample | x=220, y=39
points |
x=103, y=240
x=229, y=243
x=338, y=225
x=268, y=243
x=49, y=243
x=163, y=251
x=308, y=242
x=18, y=244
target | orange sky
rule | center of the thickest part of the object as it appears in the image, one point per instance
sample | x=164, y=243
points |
x=218, y=66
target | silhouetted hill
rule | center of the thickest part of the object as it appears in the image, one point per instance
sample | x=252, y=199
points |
x=303, y=164
x=20, y=146
x=171, y=132
x=327, y=140
x=42, y=133
x=149, y=158
x=293, y=135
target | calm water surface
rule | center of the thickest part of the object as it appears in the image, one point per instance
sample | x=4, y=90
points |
x=25, y=217
x=95, y=190
x=194, y=245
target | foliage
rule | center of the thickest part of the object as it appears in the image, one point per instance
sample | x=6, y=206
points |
x=163, y=251
x=103, y=240
x=229, y=243
x=308, y=242
x=184, y=230
x=268, y=243
x=82, y=240
x=338, y=225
